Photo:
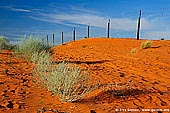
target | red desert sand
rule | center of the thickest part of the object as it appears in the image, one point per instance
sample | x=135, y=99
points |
x=114, y=60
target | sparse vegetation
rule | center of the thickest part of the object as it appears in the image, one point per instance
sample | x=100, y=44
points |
x=146, y=44
x=65, y=80
x=115, y=79
x=134, y=50
x=84, y=46
x=70, y=83
x=164, y=45
x=41, y=102
x=5, y=71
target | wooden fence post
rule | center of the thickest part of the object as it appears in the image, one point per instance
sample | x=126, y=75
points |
x=47, y=39
x=138, y=29
x=53, y=40
x=74, y=34
x=43, y=41
x=88, y=30
x=62, y=37
x=108, y=29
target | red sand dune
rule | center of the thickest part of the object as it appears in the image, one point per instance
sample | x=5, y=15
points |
x=110, y=61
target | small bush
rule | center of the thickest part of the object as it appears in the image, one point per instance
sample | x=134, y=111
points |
x=27, y=47
x=3, y=42
x=146, y=44
x=84, y=46
x=162, y=38
x=41, y=57
x=68, y=82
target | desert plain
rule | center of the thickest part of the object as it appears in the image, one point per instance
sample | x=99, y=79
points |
x=129, y=78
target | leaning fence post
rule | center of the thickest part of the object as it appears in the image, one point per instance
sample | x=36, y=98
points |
x=53, y=40
x=74, y=34
x=108, y=29
x=138, y=29
x=62, y=37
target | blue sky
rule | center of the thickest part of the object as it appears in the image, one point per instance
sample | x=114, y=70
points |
x=45, y=17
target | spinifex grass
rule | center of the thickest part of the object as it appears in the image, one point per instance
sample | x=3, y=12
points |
x=4, y=44
x=146, y=44
x=134, y=50
x=27, y=47
x=68, y=82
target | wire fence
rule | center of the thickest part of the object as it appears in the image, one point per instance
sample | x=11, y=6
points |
x=73, y=37
x=148, y=24
x=154, y=24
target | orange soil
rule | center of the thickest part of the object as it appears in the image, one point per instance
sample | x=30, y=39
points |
x=109, y=61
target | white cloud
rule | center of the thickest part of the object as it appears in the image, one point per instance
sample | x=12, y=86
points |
x=125, y=24
x=82, y=17
x=77, y=16
x=151, y=26
x=19, y=9
x=12, y=8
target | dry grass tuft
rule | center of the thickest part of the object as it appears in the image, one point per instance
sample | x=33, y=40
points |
x=146, y=44
x=68, y=82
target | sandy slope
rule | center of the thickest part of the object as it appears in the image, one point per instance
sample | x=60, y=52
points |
x=146, y=71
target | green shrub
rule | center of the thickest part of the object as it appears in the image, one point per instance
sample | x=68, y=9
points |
x=146, y=44
x=3, y=42
x=11, y=47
